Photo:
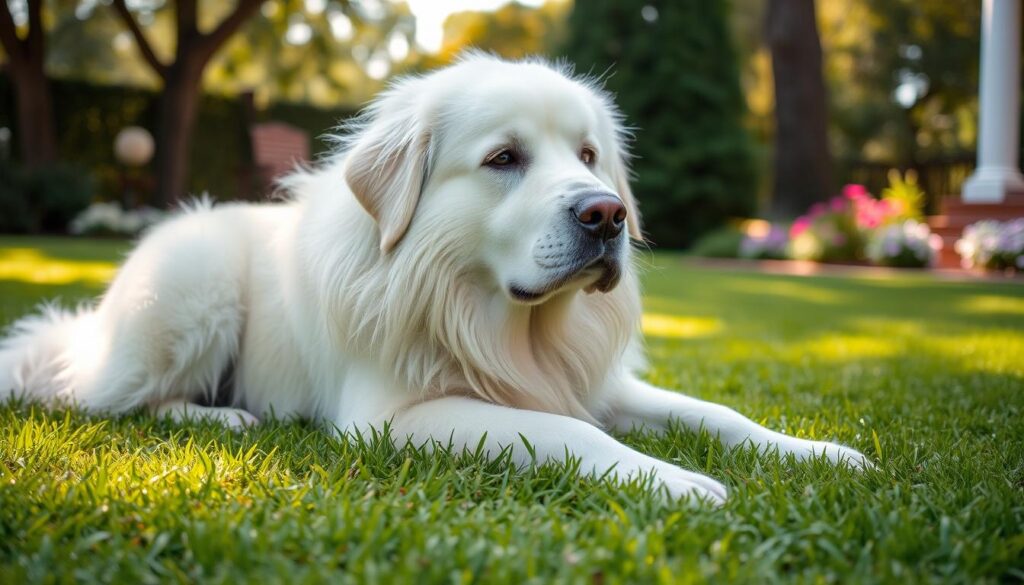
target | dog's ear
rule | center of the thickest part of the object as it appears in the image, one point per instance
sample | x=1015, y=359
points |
x=620, y=176
x=387, y=162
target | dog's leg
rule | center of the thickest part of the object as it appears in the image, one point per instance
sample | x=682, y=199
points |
x=466, y=422
x=641, y=405
x=181, y=410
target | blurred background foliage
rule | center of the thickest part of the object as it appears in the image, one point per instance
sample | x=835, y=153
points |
x=674, y=73
x=694, y=79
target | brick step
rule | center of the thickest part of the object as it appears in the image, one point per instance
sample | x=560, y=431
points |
x=956, y=215
x=965, y=217
x=941, y=224
x=962, y=220
x=948, y=258
x=944, y=231
x=1012, y=206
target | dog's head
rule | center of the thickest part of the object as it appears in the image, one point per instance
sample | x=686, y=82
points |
x=518, y=166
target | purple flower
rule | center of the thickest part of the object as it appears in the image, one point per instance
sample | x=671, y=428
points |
x=892, y=247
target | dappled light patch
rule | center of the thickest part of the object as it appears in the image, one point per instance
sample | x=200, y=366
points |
x=829, y=348
x=992, y=352
x=663, y=305
x=679, y=327
x=993, y=304
x=801, y=290
x=100, y=463
x=31, y=265
x=887, y=327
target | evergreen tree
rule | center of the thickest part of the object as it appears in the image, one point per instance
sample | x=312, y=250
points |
x=672, y=68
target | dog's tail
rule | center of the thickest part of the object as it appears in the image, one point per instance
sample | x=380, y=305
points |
x=34, y=352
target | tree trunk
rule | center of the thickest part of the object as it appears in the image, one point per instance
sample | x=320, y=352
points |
x=803, y=161
x=37, y=137
x=176, y=121
x=26, y=60
x=182, y=80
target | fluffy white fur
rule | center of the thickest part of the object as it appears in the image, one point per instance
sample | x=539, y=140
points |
x=384, y=289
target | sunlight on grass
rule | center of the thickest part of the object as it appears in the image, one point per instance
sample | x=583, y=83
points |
x=32, y=266
x=787, y=289
x=992, y=352
x=829, y=348
x=993, y=304
x=843, y=347
x=887, y=327
x=678, y=327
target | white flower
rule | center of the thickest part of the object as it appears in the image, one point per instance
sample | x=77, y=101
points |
x=907, y=243
x=992, y=244
x=109, y=218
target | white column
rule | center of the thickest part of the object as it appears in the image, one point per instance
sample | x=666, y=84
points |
x=999, y=105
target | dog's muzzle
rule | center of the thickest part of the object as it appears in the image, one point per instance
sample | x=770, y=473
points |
x=588, y=246
x=611, y=272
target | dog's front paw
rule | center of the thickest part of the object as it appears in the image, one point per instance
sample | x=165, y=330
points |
x=834, y=452
x=234, y=419
x=680, y=483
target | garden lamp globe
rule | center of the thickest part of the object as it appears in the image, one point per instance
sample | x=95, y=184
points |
x=133, y=146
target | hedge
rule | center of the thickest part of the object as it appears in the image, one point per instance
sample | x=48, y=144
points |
x=89, y=116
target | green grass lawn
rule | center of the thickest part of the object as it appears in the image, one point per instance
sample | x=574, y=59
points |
x=925, y=377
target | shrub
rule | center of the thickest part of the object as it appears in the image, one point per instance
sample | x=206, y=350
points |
x=993, y=245
x=57, y=194
x=42, y=199
x=908, y=244
x=15, y=216
x=723, y=242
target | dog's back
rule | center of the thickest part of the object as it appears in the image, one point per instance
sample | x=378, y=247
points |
x=169, y=324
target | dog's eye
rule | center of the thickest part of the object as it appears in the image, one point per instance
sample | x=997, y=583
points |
x=502, y=158
x=587, y=155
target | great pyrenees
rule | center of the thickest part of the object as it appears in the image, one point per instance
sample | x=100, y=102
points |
x=460, y=269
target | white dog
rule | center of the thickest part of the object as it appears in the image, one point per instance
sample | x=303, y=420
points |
x=461, y=269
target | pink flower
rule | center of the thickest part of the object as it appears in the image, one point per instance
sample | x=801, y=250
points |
x=867, y=218
x=801, y=225
x=838, y=204
x=870, y=213
x=854, y=191
x=816, y=210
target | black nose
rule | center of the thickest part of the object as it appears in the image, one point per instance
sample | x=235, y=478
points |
x=601, y=214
